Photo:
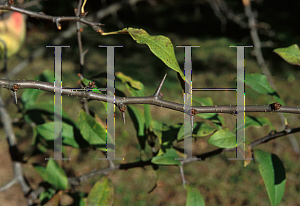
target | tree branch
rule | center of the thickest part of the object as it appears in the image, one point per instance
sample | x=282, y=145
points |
x=152, y=100
x=54, y=19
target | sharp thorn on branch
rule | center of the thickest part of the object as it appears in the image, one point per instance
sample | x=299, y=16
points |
x=15, y=96
x=122, y=108
x=123, y=117
x=157, y=93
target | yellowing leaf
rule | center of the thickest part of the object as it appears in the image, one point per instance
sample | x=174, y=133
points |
x=135, y=84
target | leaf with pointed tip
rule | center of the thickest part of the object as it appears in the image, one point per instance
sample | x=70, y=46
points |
x=273, y=174
x=290, y=54
x=93, y=132
x=53, y=174
x=167, y=158
x=194, y=198
x=259, y=83
x=223, y=138
x=160, y=46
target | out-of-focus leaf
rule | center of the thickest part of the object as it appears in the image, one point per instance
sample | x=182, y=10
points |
x=102, y=194
x=194, y=198
x=167, y=158
x=290, y=54
x=53, y=174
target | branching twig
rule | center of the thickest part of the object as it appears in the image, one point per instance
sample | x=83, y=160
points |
x=17, y=166
x=261, y=61
x=54, y=19
x=203, y=156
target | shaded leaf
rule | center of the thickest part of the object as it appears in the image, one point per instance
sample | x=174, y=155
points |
x=139, y=124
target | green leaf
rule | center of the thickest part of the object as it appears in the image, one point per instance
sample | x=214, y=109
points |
x=102, y=193
x=48, y=108
x=167, y=158
x=92, y=131
x=29, y=97
x=223, y=138
x=204, y=101
x=148, y=117
x=46, y=195
x=126, y=79
x=194, y=198
x=290, y=54
x=160, y=46
x=259, y=83
x=47, y=132
x=200, y=129
x=53, y=174
x=136, y=89
x=273, y=174
x=251, y=121
x=139, y=124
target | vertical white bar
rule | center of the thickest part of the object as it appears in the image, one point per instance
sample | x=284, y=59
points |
x=58, y=155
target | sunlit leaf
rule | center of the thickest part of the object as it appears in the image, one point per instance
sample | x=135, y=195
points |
x=160, y=46
x=290, y=54
x=273, y=174
x=167, y=158
x=259, y=83
x=223, y=138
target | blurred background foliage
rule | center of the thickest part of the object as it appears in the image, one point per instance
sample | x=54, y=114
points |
x=221, y=182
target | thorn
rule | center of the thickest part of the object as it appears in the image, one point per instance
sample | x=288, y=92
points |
x=15, y=96
x=122, y=108
x=123, y=117
x=157, y=92
x=15, y=89
x=58, y=25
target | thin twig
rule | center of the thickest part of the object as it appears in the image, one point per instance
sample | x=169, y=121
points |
x=203, y=156
x=17, y=166
x=54, y=19
x=261, y=61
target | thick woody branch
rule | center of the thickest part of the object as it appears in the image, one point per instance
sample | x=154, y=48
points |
x=152, y=100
